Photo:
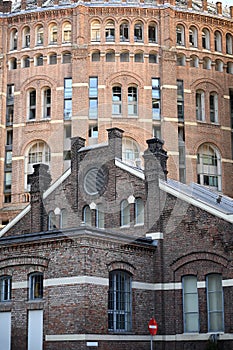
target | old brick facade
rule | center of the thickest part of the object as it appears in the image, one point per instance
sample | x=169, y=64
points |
x=103, y=219
x=149, y=67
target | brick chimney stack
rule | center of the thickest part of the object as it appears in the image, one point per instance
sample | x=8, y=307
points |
x=204, y=5
x=39, y=182
x=155, y=161
x=115, y=142
x=219, y=8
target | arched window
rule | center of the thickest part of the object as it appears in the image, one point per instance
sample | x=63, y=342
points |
x=66, y=57
x=63, y=218
x=209, y=166
x=138, y=57
x=26, y=37
x=66, y=33
x=35, y=286
x=180, y=40
x=32, y=104
x=124, y=31
x=217, y=41
x=53, y=34
x=95, y=30
x=230, y=67
x=99, y=216
x=219, y=66
x=205, y=39
x=116, y=100
x=193, y=36
x=213, y=104
x=39, y=152
x=132, y=100
x=120, y=301
x=87, y=215
x=200, y=105
x=194, y=61
x=110, y=31
x=153, y=57
x=130, y=151
x=125, y=213
x=139, y=211
x=5, y=288
x=110, y=56
x=46, y=102
x=13, y=63
x=206, y=63
x=13, y=39
x=25, y=62
x=138, y=32
x=39, y=61
x=95, y=56
x=180, y=59
x=53, y=58
x=229, y=44
x=39, y=35
x=152, y=33
x=124, y=56
x=51, y=221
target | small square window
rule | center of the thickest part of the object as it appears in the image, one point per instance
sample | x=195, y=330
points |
x=5, y=288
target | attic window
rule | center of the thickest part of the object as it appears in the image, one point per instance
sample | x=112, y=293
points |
x=94, y=181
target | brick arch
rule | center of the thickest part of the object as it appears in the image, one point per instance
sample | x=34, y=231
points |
x=208, y=141
x=24, y=260
x=124, y=75
x=37, y=82
x=197, y=84
x=121, y=265
x=199, y=256
x=30, y=143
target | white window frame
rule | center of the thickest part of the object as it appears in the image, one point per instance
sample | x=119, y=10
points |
x=139, y=211
x=5, y=288
x=87, y=215
x=190, y=304
x=215, y=307
x=213, y=103
x=35, y=286
x=116, y=100
x=193, y=36
x=125, y=213
x=180, y=35
x=218, y=41
x=200, y=105
x=100, y=216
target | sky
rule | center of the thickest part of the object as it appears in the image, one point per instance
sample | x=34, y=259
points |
x=227, y=2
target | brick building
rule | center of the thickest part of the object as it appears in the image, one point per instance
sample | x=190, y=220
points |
x=106, y=247
x=153, y=68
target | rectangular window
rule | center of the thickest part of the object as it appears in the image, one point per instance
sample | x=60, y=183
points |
x=67, y=98
x=47, y=103
x=132, y=101
x=9, y=137
x=155, y=98
x=157, y=131
x=36, y=286
x=120, y=302
x=10, y=104
x=32, y=104
x=5, y=287
x=215, y=303
x=213, y=108
x=93, y=97
x=8, y=181
x=180, y=100
x=200, y=106
x=190, y=304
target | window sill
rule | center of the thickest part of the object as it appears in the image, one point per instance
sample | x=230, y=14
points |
x=124, y=226
x=139, y=225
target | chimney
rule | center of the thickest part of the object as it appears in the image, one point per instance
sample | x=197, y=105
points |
x=115, y=142
x=155, y=161
x=5, y=6
x=231, y=11
x=190, y=4
x=204, y=5
x=39, y=181
x=219, y=8
x=23, y=4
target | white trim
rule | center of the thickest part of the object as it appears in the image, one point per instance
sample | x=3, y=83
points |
x=155, y=235
x=102, y=281
x=191, y=123
x=18, y=125
x=101, y=87
x=174, y=87
x=56, y=121
x=56, y=183
x=225, y=128
x=191, y=156
x=80, y=117
x=167, y=119
x=197, y=203
x=129, y=169
x=125, y=337
x=187, y=91
x=227, y=97
x=224, y=160
x=172, y=153
x=18, y=158
x=147, y=87
x=80, y=85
